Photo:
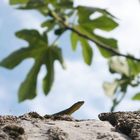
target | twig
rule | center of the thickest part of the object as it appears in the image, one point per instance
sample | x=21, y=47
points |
x=116, y=102
x=100, y=44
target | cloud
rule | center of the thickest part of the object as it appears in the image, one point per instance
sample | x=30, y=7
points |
x=78, y=82
x=29, y=19
x=4, y=2
x=129, y=105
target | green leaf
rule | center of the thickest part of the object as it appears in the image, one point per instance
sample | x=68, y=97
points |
x=48, y=23
x=27, y=89
x=13, y=2
x=119, y=65
x=39, y=50
x=100, y=41
x=110, y=88
x=87, y=51
x=74, y=40
x=53, y=53
x=15, y=58
x=110, y=42
x=85, y=12
x=33, y=37
x=47, y=57
x=57, y=55
x=49, y=78
x=20, y=55
x=81, y=30
x=104, y=12
x=103, y=23
x=45, y=37
x=34, y=4
x=39, y=5
x=136, y=96
x=134, y=67
x=67, y=4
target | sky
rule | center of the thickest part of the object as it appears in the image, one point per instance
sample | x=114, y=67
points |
x=78, y=81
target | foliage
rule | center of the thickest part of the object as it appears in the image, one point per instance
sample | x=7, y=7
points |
x=62, y=16
x=129, y=76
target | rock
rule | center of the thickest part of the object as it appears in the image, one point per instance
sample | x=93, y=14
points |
x=32, y=126
x=127, y=122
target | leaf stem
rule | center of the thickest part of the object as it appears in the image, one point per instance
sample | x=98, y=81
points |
x=116, y=102
x=56, y=39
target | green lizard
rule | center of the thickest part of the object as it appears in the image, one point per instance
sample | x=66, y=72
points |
x=67, y=111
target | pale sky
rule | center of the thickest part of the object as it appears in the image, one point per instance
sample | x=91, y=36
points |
x=78, y=81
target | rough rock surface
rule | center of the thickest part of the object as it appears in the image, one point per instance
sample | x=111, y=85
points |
x=127, y=122
x=32, y=126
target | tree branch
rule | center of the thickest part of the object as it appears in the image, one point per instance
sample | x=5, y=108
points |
x=100, y=44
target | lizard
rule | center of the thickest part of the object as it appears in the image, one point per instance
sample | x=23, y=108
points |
x=68, y=112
